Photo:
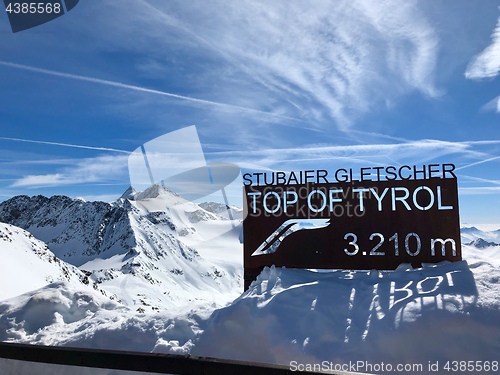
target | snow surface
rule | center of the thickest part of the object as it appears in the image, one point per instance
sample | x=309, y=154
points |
x=27, y=264
x=440, y=312
x=182, y=294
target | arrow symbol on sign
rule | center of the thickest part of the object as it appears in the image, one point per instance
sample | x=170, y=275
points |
x=271, y=244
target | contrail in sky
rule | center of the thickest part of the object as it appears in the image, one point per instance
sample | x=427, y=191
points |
x=479, y=162
x=65, y=145
x=138, y=88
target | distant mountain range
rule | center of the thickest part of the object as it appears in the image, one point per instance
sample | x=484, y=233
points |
x=478, y=238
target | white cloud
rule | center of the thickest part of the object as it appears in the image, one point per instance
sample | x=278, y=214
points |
x=40, y=180
x=407, y=149
x=98, y=170
x=344, y=58
x=487, y=63
x=326, y=62
x=493, y=105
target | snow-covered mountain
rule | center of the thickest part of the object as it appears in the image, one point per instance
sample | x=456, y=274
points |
x=150, y=249
x=74, y=230
x=480, y=238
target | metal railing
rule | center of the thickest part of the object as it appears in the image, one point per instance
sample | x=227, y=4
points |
x=82, y=358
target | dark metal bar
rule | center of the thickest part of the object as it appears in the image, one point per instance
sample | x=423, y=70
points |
x=136, y=361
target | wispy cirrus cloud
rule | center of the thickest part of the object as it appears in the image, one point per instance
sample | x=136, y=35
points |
x=54, y=179
x=493, y=105
x=486, y=65
x=325, y=62
x=329, y=56
x=111, y=168
x=476, y=157
x=469, y=153
x=198, y=101
x=106, y=169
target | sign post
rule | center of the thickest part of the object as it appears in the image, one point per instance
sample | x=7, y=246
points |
x=374, y=222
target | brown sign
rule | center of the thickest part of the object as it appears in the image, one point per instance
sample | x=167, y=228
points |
x=357, y=224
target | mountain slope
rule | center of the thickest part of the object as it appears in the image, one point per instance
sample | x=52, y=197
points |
x=28, y=264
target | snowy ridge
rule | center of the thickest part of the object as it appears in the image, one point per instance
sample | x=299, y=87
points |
x=470, y=234
x=73, y=229
x=221, y=210
x=481, y=244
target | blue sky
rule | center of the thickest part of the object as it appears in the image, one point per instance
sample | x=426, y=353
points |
x=269, y=86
